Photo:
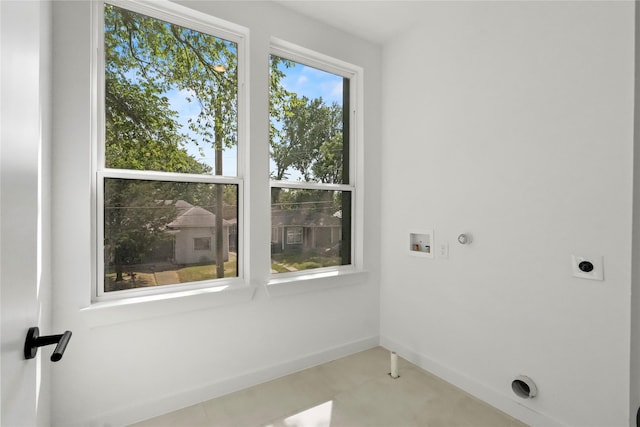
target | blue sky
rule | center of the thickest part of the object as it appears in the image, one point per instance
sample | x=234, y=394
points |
x=301, y=79
x=313, y=83
x=204, y=153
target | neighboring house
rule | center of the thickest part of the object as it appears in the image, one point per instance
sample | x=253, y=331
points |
x=195, y=235
x=295, y=230
x=233, y=234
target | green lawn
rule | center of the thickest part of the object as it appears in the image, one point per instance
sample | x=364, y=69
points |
x=282, y=263
x=206, y=272
x=301, y=261
x=186, y=274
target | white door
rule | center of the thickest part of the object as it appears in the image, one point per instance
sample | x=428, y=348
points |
x=24, y=209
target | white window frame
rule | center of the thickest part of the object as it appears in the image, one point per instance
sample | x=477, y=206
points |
x=286, y=283
x=169, y=12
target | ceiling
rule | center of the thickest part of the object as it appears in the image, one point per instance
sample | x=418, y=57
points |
x=372, y=20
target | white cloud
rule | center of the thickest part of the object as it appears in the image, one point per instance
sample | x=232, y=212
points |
x=302, y=80
x=334, y=91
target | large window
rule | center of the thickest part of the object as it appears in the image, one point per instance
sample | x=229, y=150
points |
x=168, y=183
x=312, y=185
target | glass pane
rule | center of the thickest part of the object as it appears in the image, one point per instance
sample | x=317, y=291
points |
x=164, y=233
x=170, y=97
x=309, y=229
x=308, y=138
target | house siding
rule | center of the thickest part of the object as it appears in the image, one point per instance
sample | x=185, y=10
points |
x=184, y=249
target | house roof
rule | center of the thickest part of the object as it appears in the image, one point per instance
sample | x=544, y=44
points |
x=190, y=216
x=304, y=217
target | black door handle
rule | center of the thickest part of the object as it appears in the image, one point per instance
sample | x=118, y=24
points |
x=34, y=340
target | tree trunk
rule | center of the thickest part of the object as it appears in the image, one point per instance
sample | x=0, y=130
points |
x=119, y=270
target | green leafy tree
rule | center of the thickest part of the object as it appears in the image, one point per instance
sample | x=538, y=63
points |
x=307, y=139
x=163, y=57
x=329, y=161
x=146, y=59
x=306, y=135
x=135, y=218
x=142, y=132
x=278, y=98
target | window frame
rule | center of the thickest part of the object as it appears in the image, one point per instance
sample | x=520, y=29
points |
x=179, y=15
x=280, y=283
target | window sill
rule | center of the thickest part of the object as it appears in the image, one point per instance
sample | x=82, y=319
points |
x=297, y=283
x=138, y=308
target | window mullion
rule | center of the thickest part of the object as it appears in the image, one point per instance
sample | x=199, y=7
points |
x=167, y=176
x=311, y=185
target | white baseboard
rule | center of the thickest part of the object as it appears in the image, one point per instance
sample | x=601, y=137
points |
x=492, y=397
x=145, y=410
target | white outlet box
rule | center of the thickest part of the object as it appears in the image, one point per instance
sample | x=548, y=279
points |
x=421, y=243
x=443, y=250
x=597, y=273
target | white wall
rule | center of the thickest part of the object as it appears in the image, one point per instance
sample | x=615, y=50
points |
x=118, y=373
x=513, y=121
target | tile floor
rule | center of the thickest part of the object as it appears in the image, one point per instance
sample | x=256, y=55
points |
x=354, y=391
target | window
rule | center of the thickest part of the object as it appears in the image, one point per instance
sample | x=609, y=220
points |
x=168, y=172
x=311, y=160
x=202, y=243
x=294, y=235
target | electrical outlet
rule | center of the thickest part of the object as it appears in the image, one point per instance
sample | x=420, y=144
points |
x=443, y=250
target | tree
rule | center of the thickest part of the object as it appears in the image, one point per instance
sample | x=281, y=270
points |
x=163, y=57
x=145, y=60
x=142, y=132
x=136, y=214
x=307, y=139
x=306, y=134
